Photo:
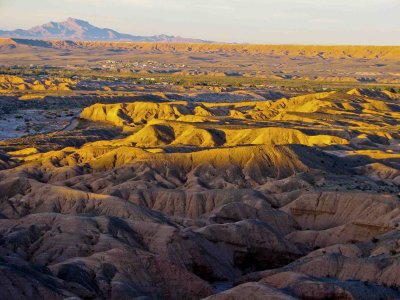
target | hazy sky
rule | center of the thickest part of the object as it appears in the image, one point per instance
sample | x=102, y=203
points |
x=252, y=21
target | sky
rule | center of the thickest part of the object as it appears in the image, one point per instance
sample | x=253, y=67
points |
x=372, y=22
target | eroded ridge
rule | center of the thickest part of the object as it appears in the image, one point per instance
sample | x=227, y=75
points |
x=290, y=198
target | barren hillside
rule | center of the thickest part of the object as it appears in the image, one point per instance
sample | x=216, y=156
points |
x=286, y=199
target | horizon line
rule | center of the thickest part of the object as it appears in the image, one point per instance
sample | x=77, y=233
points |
x=205, y=43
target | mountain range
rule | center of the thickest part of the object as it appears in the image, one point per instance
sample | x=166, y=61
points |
x=75, y=29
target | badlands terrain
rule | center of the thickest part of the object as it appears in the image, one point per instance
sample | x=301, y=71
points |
x=166, y=171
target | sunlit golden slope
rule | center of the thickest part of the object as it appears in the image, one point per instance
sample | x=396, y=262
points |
x=10, y=83
x=323, y=108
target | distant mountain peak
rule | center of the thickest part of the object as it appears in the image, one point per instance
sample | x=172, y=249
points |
x=76, y=20
x=77, y=29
